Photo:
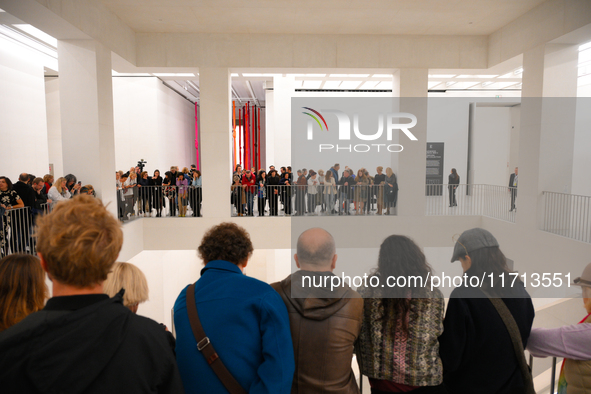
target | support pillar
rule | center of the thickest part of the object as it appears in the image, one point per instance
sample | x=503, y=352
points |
x=412, y=88
x=86, y=107
x=216, y=140
x=548, y=117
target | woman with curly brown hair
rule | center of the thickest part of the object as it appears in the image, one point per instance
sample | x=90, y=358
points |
x=22, y=288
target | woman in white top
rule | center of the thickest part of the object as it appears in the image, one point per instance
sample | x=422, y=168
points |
x=58, y=191
x=330, y=192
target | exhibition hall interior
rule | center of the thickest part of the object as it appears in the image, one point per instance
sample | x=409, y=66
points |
x=94, y=87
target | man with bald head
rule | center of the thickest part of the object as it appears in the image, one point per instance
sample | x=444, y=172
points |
x=325, y=322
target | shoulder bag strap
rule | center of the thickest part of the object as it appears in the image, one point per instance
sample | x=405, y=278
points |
x=511, y=325
x=206, y=347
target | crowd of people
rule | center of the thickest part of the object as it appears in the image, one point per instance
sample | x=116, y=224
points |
x=313, y=192
x=37, y=196
x=237, y=334
x=142, y=194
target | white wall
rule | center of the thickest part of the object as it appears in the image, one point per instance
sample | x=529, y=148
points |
x=153, y=123
x=23, y=124
x=582, y=145
x=447, y=122
x=491, y=144
x=169, y=271
x=54, y=126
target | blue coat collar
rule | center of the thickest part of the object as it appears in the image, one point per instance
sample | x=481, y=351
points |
x=223, y=266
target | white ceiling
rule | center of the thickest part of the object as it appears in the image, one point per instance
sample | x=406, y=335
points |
x=428, y=17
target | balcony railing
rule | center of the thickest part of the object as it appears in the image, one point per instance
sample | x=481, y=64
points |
x=159, y=201
x=568, y=215
x=470, y=200
x=303, y=200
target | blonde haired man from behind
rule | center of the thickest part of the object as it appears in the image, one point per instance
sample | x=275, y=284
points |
x=82, y=341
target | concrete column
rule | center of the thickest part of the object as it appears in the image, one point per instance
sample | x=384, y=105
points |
x=216, y=140
x=411, y=86
x=283, y=90
x=548, y=116
x=559, y=117
x=86, y=106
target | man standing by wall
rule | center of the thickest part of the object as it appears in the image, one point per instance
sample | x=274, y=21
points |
x=325, y=323
x=513, y=188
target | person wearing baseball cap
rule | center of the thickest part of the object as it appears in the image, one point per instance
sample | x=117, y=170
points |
x=571, y=342
x=475, y=347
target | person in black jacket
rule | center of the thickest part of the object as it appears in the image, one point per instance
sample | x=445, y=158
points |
x=83, y=341
x=453, y=182
x=286, y=193
x=41, y=200
x=25, y=192
x=144, y=194
x=157, y=195
x=261, y=192
x=273, y=192
x=475, y=347
x=346, y=189
x=22, y=230
x=513, y=188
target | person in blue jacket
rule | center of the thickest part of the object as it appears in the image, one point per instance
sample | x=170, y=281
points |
x=244, y=318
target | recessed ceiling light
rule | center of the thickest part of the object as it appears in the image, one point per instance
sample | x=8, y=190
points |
x=41, y=35
x=384, y=85
x=350, y=84
x=358, y=75
x=174, y=74
x=331, y=85
x=477, y=76
x=233, y=75
x=369, y=85
x=442, y=76
x=311, y=84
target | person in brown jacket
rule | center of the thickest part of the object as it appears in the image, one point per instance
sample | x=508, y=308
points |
x=325, y=322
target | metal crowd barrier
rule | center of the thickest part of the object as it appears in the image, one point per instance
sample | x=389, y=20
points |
x=301, y=200
x=17, y=231
x=470, y=200
x=158, y=201
x=568, y=215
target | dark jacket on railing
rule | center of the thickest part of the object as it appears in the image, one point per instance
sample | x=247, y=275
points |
x=285, y=187
x=40, y=199
x=347, y=189
x=26, y=193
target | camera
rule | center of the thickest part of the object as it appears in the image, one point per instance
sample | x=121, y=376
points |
x=141, y=164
